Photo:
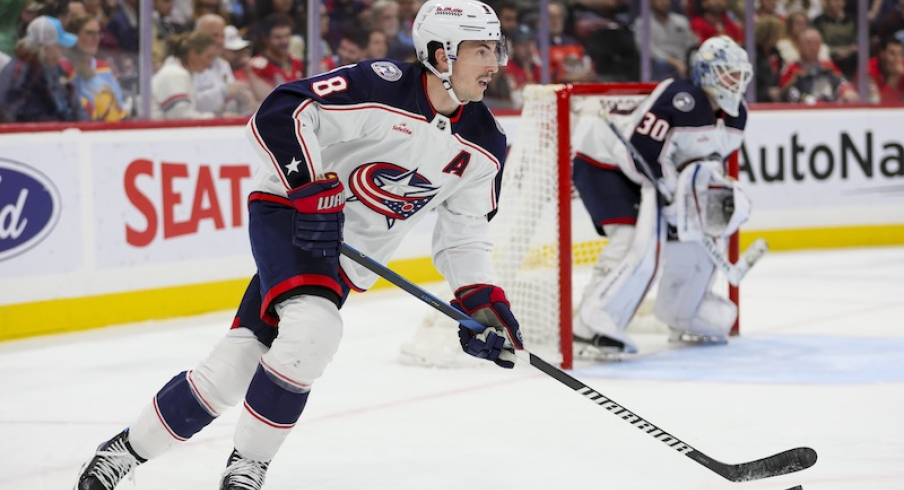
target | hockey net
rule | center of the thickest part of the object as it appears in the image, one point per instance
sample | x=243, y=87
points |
x=540, y=216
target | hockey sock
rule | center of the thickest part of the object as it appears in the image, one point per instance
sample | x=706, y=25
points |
x=176, y=413
x=272, y=406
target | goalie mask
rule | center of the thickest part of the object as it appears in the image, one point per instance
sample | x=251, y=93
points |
x=720, y=67
x=708, y=203
x=450, y=22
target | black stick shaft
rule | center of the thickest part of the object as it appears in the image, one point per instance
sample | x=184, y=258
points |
x=779, y=464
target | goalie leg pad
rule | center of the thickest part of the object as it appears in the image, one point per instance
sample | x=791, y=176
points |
x=685, y=301
x=623, y=274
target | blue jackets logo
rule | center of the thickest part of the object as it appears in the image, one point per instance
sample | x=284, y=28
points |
x=29, y=208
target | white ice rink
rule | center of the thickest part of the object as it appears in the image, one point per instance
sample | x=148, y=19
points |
x=820, y=364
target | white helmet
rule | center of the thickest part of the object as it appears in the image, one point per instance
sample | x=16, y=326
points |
x=450, y=22
x=721, y=69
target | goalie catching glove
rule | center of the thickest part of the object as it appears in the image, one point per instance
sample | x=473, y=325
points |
x=707, y=204
x=487, y=304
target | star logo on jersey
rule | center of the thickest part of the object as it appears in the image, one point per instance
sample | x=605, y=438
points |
x=292, y=166
x=388, y=189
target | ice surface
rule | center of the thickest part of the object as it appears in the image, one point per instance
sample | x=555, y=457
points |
x=820, y=363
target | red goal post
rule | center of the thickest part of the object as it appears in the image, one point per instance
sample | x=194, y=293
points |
x=537, y=201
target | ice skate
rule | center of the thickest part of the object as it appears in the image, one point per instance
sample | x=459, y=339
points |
x=601, y=348
x=689, y=337
x=113, y=460
x=243, y=474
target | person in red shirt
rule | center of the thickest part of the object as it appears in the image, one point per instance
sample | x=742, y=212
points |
x=524, y=67
x=274, y=65
x=885, y=73
x=811, y=80
x=714, y=21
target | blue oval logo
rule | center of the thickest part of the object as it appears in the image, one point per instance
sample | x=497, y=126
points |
x=29, y=208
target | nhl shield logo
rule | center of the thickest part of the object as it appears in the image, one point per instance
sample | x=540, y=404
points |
x=683, y=101
x=387, y=70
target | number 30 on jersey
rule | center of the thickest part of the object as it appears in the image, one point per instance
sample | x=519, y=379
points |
x=653, y=127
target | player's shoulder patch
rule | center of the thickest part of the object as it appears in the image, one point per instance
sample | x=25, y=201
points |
x=684, y=101
x=387, y=70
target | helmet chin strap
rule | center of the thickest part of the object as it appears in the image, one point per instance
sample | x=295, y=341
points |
x=447, y=83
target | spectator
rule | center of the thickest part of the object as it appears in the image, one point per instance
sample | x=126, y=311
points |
x=352, y=47
x=32, y=84
x=407, y=13
x=171, y=87
x=215, y=88
x=96, y=89
x=671, y=39
x=9, y=19
x=205, y=7
x=810, y=8
x=714, y=21
x=796, y=23
x=767, y=32
x=811, y=80
x=237, y=52
x=123, y=25
x=509, y=17
x=377, y=47
x=71, y=9
x=385, y=17
x=523, y=67
x=568, y=61
x=163, y=29
x=885, y=73
x=892, y=23
x=839, y=32
x=767, y=8
x=274, y=65
x=341, y=12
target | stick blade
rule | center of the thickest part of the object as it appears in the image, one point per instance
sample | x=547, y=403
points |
x=783, y=463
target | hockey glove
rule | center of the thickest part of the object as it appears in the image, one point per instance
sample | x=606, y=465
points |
x=319, y=220
x=487, y=304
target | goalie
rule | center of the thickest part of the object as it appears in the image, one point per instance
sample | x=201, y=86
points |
x=685, y=130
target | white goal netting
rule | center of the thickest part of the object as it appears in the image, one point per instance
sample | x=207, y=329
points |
x=527, y=230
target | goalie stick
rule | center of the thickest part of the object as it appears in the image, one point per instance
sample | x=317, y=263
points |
x=733, y=272
x=785, y=462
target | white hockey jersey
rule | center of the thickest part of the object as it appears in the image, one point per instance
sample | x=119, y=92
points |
x=672, y=127
x=373, y=126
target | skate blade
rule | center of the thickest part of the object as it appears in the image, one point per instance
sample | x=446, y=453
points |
x=593, y=353
x=684, y=337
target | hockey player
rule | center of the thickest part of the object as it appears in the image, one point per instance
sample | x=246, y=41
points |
x=363, y=152
x=685, y=130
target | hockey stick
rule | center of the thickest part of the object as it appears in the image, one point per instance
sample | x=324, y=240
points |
x=782, y=463
x=733, y=272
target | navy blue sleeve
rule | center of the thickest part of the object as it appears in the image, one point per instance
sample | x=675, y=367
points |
x=275, y=125
x=680, y=105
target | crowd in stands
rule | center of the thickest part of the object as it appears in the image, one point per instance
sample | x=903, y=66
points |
x=77, y=60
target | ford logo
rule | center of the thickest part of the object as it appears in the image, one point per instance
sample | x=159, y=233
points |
x=29, y=207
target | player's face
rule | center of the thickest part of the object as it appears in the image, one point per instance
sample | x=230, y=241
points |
x=473, y=70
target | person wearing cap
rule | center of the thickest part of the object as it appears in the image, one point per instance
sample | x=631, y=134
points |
x=237, y=52
x=215, y=88
x=33, y=86
x=95, y=85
